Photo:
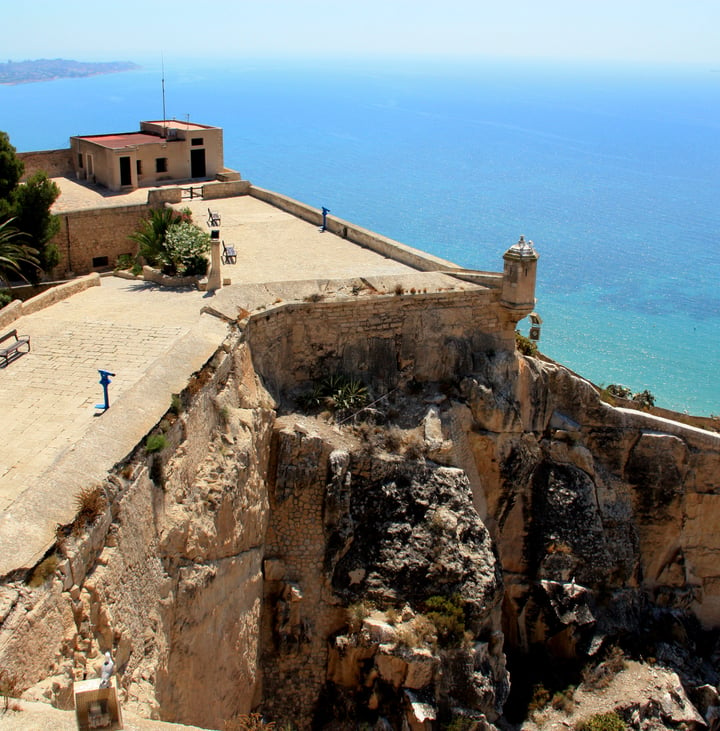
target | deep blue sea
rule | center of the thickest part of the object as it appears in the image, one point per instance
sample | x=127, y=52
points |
x=613, y=172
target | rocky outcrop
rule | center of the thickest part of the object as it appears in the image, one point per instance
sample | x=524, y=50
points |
x=351, y=527
x=155, y=578
x=597, y=511
x=290, y=564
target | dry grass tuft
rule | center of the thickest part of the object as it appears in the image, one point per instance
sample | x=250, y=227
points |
x=91, y=503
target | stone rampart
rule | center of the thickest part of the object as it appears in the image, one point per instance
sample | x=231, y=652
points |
x=51, y=296
x=158, y=197
x=10, y=313
x=357, y=235
x=94, y=239
x=429, y=337
x=56, y=163
x=225, y=189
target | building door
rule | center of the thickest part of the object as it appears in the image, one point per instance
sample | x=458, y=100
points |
x=125, y=174
x=197, y=163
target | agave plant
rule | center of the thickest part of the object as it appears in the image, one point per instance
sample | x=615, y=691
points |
x=336, y=392
x=13, y=252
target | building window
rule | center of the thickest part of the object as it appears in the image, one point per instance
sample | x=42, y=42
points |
x=100, y=261
x=196, y=141
x=80, y=160
x=160, y=164
x=138, y=165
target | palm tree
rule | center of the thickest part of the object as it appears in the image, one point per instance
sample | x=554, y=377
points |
x=13, y=253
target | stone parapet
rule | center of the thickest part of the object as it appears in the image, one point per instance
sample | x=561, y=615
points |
x=429, y=337
x=55, y=163
x=10, y=313
x=51, y=296
x=225, y=189
x=158, y=197
x=363, y=237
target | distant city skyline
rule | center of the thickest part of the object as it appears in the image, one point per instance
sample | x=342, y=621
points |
x=641, y=31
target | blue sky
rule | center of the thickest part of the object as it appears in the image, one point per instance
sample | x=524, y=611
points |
x=674, y=31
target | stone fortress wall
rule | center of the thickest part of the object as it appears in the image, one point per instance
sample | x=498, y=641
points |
x=93, y=240
x=56, y=163
x=425, y=336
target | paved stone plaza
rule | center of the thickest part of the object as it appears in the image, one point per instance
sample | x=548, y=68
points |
x=54, y=439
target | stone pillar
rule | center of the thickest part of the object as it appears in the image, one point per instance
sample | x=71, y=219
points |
x=518, y=289
x=214, y=280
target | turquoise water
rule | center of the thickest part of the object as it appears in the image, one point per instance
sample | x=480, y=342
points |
x=613, y=172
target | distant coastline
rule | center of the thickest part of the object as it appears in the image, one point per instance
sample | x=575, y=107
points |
x=27, y=72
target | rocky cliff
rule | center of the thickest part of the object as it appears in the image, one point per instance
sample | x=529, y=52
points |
x=383, y=567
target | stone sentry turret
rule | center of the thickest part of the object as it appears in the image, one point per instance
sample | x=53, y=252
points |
x=518, y=288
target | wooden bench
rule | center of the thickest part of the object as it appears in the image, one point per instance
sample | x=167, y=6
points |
x=213, y=218
x=229, y=255
x=13, y=348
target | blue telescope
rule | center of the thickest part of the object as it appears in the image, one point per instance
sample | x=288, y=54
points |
x=104, y=381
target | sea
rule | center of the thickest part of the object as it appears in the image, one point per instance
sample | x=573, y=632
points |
x=613, y=171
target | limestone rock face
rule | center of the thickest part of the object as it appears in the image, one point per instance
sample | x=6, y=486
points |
x=581, y=493
x=413, y=532
x=352, y=527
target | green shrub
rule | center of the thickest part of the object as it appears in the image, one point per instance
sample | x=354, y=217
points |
x=5, y=298
x=176, y=404
x=525, y=345
x=124, y=261
x=155, y=443
x=602, y=722
x=151, y=234
x=448, y=616
x=618, y=391
x=336, y=392
x=50, y=257
x=188, y=247
x=644, y=398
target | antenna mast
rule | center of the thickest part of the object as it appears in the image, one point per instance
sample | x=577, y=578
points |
x=162, y=59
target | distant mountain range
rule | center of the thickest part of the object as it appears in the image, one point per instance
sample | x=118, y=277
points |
x=23, y=72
